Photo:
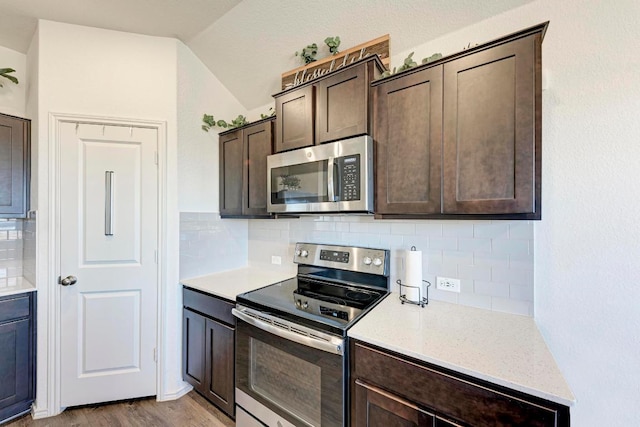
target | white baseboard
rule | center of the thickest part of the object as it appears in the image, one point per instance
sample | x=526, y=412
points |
x=186, y=388
x=38, y=413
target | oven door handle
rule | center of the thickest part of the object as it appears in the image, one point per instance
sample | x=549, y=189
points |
x=328, y=343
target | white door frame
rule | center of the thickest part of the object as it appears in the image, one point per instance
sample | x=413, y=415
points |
x=53, y=300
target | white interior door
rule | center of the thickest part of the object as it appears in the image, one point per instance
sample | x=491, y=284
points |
x=108, y=244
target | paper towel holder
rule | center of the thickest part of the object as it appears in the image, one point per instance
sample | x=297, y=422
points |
x=422, y=301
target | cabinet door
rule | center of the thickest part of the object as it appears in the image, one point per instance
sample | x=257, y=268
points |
x=193, y=349
x=220, y=383
x=408, y=137
x=342, y=105
x=295, y=114
x=14, y=167
x=491, y=139
x=257, y=146
x=375, y=407
x=231, y=171
x=15, y=368
x=441, y=422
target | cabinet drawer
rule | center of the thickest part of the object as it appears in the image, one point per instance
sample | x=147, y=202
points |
x=14, y=308
x=459, y=398
x=208, y=305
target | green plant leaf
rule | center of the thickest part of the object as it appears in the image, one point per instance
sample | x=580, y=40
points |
x=432, y=58
x=4, y=72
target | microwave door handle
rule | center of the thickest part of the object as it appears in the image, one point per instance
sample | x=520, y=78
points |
x=330, y=179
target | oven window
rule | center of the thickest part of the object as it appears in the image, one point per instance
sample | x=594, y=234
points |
x=303, y=385
x=273, y=372
x=302, y=183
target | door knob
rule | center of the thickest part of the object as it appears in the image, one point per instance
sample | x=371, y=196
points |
x=68, y=281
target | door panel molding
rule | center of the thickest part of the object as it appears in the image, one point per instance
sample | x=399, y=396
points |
x=51, y=297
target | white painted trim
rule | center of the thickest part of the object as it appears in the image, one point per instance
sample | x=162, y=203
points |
x=53, y=302
x=186, y=388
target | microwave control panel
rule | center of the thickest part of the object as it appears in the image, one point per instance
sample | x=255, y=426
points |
x=349, y=177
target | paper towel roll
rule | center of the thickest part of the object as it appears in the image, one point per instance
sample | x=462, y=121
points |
x=413, y=275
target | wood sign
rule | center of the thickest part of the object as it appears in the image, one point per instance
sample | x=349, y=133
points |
x=379, y=46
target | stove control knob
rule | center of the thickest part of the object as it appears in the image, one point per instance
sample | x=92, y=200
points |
x=298, y=303
x=304, y=253
x=367, y=260
x=305, y=304
x=298, y=252
x=377, y=262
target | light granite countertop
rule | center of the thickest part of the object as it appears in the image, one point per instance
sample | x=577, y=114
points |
x=501, y=348
x=15, y=285
x=228, y=284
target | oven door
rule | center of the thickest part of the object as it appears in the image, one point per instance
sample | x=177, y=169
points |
x=287, y=373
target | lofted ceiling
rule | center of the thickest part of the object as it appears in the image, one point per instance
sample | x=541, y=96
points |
x=248, y=44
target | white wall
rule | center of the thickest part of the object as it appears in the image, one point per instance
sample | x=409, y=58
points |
x=12, y=96
x=207, y=243
x=96, y=72
x=587, y=244
x=199, y=92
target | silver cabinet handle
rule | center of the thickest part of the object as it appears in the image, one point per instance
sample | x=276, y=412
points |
x=108, y=203
x=68, y=281
x=291, y=331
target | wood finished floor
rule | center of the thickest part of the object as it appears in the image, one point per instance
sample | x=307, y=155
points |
x=189, y=410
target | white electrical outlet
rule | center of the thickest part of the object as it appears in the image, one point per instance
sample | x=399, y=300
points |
x=448, y=284
x=276, y=259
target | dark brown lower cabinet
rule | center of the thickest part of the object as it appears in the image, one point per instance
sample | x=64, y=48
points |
x=375, y=407
x=17, y=354
x=208, y=334
x=389, y=389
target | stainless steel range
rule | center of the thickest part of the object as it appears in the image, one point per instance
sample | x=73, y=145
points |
x=291, y=352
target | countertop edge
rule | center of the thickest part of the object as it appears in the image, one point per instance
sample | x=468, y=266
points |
x=25, y=287
x=470, y=372
x=385, y=319
x=229, y=283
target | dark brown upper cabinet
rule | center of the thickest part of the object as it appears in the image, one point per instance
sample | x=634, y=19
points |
x=243, y=170
x=408, y=135
x=462, y=136
x=327, y=109
x=15, y=138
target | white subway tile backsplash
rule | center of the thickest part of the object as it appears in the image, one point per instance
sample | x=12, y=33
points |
x=521, y=230
x=444, y=243
x=492, y=231
x=11, y=250
x=359, y=227
x=475, y=300
x=510, y=247
x=493, y=259
x=474, y=245
x=457, y=230
x=521, y=292
x=457, y=257
x=474, y=272
x=515, y=276
x=405, y=228
x=522, y=261
x=429, y=229
x=209, y=244
x=493, y=289
x=512, y=306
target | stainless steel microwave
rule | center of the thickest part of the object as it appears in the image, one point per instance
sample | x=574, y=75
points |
x=329, y=178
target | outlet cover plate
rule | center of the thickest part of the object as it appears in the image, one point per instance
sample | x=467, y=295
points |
x=448, y=284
